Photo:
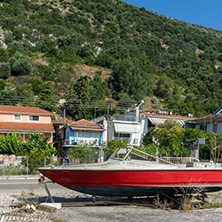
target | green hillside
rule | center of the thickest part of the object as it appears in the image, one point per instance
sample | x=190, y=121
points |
x=133, y=54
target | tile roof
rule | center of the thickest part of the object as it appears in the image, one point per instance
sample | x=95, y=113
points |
x=14, y=126
x=23, y=110
x=203, y=117
x=61, y=122
x=84, y=122
x=68, y=121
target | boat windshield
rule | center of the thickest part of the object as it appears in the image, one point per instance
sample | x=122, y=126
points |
x=128, y=153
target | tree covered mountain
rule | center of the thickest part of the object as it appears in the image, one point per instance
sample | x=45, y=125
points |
x=42, y=44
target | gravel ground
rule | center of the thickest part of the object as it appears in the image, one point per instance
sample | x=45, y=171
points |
x=114, y=213
x=134, y=214
x=8, y=213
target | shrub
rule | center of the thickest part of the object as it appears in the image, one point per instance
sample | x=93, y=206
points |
x=82, y=153
x=20, y=64
x=5, y=70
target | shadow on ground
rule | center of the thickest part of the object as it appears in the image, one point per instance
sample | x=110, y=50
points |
x=46, y=199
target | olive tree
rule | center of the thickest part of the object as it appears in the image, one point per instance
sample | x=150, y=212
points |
x=5, y=70
x=20, y=65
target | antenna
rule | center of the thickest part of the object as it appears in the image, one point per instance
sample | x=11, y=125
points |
x=135, y=106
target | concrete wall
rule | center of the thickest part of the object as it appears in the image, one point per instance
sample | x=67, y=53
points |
x=209, y=128
x=219, y=127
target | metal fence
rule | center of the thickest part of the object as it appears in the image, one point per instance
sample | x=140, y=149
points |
x=21, y=165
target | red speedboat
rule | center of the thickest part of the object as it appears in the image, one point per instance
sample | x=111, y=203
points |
x=146, y=175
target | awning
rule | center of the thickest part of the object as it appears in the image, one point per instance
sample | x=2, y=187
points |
x=157, y=121
x=125, y=128
x=181, y=122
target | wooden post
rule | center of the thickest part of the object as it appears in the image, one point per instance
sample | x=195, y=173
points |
x=108, y=122
x=27, y=165
x=3, y=168
x=49, y=194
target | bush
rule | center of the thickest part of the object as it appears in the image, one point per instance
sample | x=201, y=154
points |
x=35, y=163
x=112, y=146
x=21, y=67
x=36, y=85
x=5, y=70
x=20, y=64
x=2, y=84
x=82, y=153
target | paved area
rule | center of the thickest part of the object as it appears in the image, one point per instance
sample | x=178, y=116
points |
x=115, y=213
x=134, y=214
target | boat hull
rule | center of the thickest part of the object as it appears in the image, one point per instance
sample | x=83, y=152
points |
x=135, y=182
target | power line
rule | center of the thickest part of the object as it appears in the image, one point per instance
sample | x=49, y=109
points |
x=28, y=100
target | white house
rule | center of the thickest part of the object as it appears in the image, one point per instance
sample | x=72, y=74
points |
x=123, y=127
x=154, y=119
x=132, y=126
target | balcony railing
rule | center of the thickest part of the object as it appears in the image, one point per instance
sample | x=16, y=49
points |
x=126, y=118
x=124, y=139
x=86, y=142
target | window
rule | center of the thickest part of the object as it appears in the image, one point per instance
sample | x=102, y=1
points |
x=87, y=134
x=34, y=118
x=125, y=135
x=17, y=117
x=203, y=127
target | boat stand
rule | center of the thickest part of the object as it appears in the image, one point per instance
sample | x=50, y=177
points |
x=143, y=201
x=41, y=181
x=49, y=194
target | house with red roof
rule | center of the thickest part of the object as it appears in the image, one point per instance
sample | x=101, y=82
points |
x=82, y=132
x=154, y=119
x=25, y=120
x=211, y=123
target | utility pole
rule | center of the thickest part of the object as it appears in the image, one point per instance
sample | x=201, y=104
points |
x=108, y=121
x=95, y=111
x=64, y=115
x=109, y=103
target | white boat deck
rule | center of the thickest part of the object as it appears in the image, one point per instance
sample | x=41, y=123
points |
x=115, y=164
x=143, y=161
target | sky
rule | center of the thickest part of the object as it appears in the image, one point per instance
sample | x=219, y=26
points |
x=207, y=13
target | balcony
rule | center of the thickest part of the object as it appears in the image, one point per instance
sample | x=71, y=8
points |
x=76, y=142
x=129, y=118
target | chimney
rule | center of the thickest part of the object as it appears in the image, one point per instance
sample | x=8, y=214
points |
x=190, y=114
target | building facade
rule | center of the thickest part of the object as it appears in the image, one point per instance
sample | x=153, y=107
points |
x=129, y=128
x=82, y=132
x=132, y=126
x=154, y=119
x=26, y=120
x=211, y=123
